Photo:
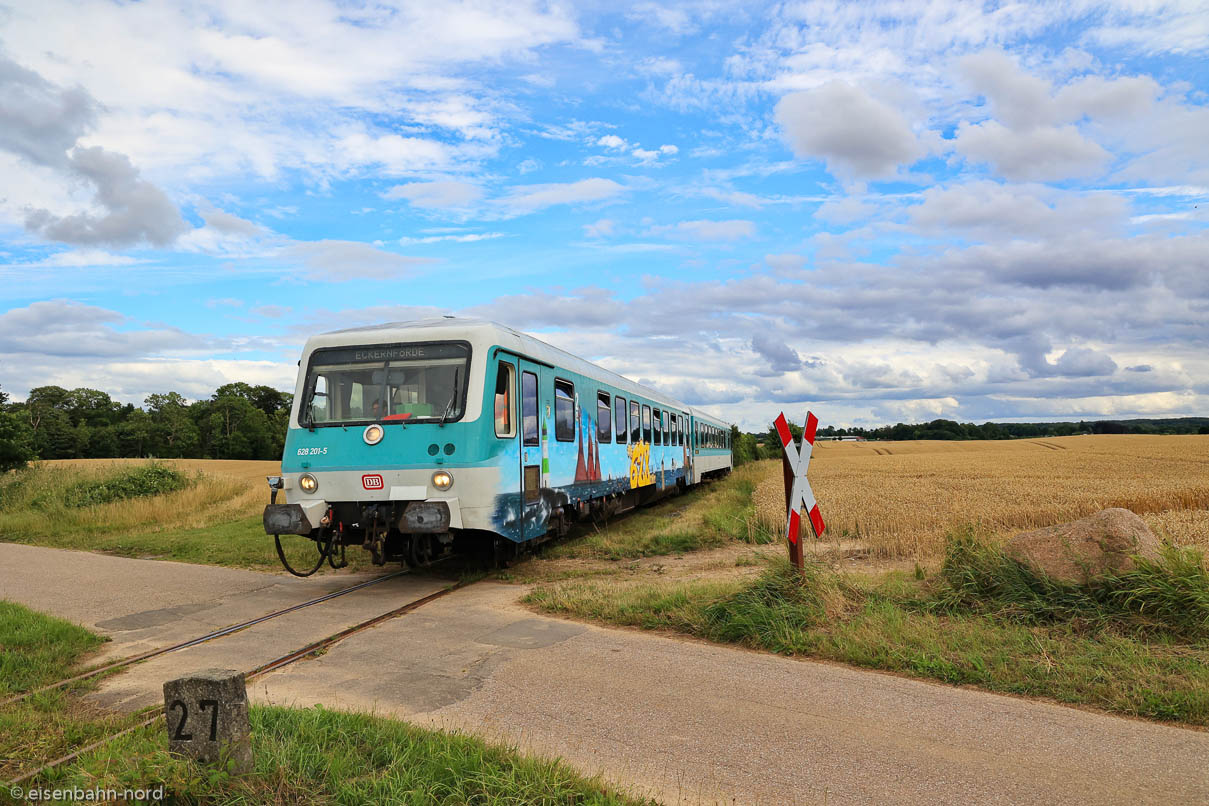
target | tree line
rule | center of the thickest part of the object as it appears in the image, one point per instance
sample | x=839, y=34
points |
x=748, y=447
x=239, y=421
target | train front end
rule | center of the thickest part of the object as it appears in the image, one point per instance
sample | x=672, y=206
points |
x=383, y=450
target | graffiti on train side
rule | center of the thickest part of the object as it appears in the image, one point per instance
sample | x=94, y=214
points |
x=640, y=465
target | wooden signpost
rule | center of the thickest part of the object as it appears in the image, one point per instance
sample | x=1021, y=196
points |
x=798, y=495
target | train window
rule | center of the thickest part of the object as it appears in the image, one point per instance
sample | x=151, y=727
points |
x=619, y=418
x=658, y=432
x=646, y=424
x=604, y=418
x=564, y=411
x=667, y=438
x=673, y=434
x=416, y=382
x=635, y=430
x=529, y=407
x=505, y=415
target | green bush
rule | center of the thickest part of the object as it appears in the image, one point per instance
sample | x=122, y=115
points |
x=139, y=482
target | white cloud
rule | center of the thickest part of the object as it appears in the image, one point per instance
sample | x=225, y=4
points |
x=857, y=135
x=705, y=230
x=468, y=237
x=529, y=198
x=1047, y=153
x=224, y=88
x=603, y=228
x=335, y=261
x=611, y=141
x=444, y=193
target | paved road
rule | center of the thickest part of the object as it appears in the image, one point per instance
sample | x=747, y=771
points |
x=680, y=720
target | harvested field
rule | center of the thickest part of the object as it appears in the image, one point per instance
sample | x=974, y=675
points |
x=900, y=499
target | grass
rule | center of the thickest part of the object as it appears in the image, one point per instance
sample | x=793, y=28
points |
x=703, y=518
x=302, y=755
x=1171, y=595
x=1136, y=646
x=36, y=649
x=187, y=511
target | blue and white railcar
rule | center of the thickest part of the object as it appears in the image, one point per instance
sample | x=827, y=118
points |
x=405, y=436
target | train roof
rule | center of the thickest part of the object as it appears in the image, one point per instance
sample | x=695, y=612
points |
x=473, y=329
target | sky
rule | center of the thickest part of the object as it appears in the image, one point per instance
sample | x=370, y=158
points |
x=880, y=211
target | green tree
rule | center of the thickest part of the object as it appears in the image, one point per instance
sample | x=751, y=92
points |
x=232, y=428
x=16, y=441
x=90, y=407
x=174, y=433
x=136, y=434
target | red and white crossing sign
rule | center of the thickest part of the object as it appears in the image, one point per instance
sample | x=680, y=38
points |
x=797, y=488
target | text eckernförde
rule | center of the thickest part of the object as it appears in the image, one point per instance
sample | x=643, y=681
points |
x=96, y=795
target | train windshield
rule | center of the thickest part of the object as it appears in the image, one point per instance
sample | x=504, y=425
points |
x=386, y=382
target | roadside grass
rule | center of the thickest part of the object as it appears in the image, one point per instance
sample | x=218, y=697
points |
x=704, y=518
x=36, y=649
x=1139, y=647
x=302, y=755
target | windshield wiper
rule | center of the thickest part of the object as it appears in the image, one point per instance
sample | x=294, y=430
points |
x=453, y=397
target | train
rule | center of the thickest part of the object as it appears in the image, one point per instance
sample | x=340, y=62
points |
x=410, y=439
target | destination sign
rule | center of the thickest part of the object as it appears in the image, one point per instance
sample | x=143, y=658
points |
x=380, y=353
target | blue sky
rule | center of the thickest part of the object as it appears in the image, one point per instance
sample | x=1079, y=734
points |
x=881, y=211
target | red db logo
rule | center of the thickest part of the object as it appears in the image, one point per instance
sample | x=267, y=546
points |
x=372, y=482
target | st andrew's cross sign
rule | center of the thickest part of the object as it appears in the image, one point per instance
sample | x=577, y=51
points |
x=798, y=495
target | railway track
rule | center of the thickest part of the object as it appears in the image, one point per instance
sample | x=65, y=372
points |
x=154, y=712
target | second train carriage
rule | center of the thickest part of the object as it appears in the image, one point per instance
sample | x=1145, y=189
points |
x=406, y=435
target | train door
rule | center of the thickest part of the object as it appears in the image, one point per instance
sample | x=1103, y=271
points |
x=534, y=451
x=686, y=441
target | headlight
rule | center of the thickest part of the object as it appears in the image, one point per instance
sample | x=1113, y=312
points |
x=308, y=483
x=442, y=480
x=373, y=434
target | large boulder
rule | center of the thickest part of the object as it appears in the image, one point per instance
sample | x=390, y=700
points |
x=1083, y=550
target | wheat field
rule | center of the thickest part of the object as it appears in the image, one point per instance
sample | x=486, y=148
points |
x=900, y=499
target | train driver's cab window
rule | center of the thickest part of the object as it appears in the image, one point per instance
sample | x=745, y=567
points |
x=564, y=411
x=619, y=418
x=529, y=407
x=646, y=424
x=604, y=418
x=635, y=428
x=658, y=434
x=416, y=382
x=505, y=400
